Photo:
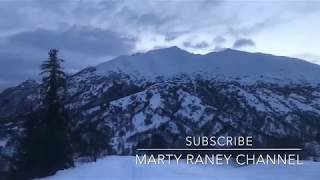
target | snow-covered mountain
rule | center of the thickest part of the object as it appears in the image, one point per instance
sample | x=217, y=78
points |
x=155, y=99
x=228, y=63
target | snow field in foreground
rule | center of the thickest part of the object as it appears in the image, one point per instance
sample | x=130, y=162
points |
x=125, y=168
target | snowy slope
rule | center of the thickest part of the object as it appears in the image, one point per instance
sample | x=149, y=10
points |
x=124, y=168
x=164, y=95
x=224, y=64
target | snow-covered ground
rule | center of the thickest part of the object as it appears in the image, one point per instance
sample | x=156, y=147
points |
x=124, y=167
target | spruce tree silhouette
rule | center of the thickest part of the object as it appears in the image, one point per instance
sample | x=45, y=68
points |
x=45, y=147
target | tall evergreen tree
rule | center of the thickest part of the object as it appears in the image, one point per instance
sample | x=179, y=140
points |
x=45, y=147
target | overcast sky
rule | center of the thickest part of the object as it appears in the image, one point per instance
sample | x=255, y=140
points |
x=88, y=32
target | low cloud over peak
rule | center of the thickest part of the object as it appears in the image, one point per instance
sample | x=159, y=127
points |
x=243, y=43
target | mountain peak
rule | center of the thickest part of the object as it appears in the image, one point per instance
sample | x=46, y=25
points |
x=230, y=63
x=231, y=51
x=171, y=50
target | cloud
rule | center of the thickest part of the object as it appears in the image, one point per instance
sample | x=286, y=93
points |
x=199, y=45
x=90, y=41
x=16, y=67
x=219, y=40
x=309, y=56
x=22, y=53
x=243, y=43
x=219, y=48
x=88, y=32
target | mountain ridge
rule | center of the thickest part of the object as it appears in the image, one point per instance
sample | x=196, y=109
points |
x=229, y=63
